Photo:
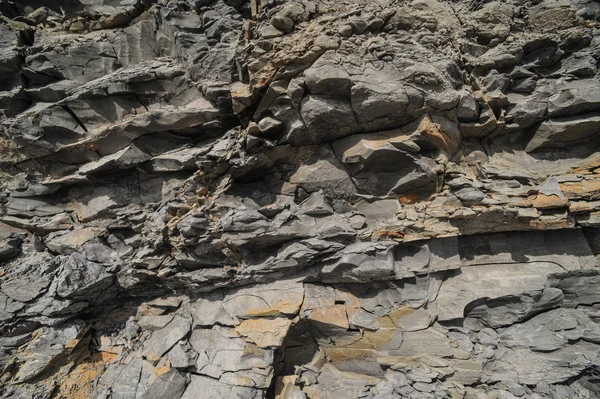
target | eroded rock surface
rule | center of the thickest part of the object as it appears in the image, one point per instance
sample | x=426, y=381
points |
x=299, y=199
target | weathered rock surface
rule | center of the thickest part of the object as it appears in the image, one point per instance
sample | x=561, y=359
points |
x=299, y=199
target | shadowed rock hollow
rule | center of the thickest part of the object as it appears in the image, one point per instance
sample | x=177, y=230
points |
x=299, y=199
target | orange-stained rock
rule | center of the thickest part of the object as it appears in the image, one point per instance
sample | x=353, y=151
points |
x=285, y=386
x=542, y=201
x=410, y=198
x=161, y=368
x=577, y=207
x=269, y=300
x=79, y=382
x=265, y=333
x=389, y=235
x=286, y=306
x=585, y=189
x=241, y=97
x=333, y=315
x=349, y=300
x=442, y=133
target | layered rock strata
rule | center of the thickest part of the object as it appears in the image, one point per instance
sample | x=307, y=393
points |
x=299, y=199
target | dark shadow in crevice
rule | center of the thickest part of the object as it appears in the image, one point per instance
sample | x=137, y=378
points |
x=298, y=348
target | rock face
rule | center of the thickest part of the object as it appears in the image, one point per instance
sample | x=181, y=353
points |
x=299, y=199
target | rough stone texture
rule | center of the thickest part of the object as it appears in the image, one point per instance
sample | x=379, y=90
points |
x=299, y=199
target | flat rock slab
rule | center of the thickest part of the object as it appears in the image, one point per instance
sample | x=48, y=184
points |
x=49, y=344
x=491, y=281
x=200, y=386
x=162, y=340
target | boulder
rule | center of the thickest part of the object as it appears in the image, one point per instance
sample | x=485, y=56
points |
x=326, y=119
x=564, y=132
